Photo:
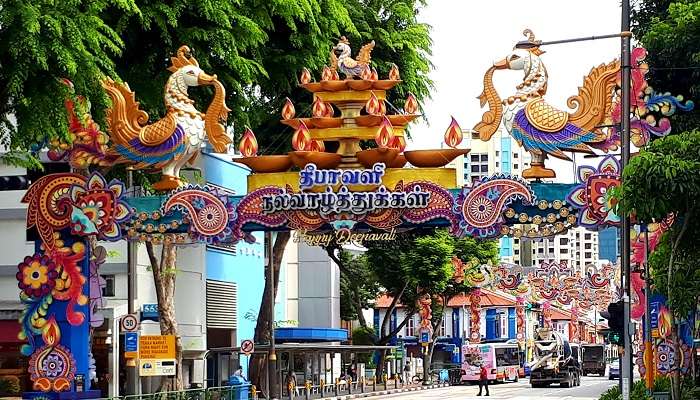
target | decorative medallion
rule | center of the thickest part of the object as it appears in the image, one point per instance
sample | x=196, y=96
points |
x=593, y=194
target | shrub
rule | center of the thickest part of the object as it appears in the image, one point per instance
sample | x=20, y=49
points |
x=9, y=385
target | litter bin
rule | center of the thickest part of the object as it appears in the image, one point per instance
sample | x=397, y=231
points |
x=661, y=395
x=443, y=376
x=240, y=388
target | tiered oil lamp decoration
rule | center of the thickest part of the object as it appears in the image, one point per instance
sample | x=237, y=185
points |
x=349, y=111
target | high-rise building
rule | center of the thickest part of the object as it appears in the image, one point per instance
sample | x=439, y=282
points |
x=579, y=247
x=609, y=244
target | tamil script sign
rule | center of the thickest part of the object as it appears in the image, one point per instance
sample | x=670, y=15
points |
x=342, y=200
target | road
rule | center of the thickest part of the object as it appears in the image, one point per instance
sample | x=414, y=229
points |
x=591, y=388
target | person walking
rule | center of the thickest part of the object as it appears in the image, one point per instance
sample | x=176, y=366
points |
x=406, y=373
x=483, y=379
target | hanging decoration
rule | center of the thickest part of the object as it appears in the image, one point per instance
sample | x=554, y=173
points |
x=593, y=195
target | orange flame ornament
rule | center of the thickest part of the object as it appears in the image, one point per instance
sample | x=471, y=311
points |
x=336, y=77
x=248, y=145
x=399, y=143
x=305, y=76
x=317, y=145
x=375, y=74
x=327, y=74
x=411, y=104
x=329, y=112
x=51, y=333
x=385, y=133
x=288, y=110
x=373, y=106
x=301, y=138
x=366, y=73
x=318, y=108
x=453, y=134
x=394, y=73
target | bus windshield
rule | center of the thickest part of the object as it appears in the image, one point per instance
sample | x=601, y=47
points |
x=507, y=356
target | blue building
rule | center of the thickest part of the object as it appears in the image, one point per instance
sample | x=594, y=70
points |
x=235, y=276
x=609, y=244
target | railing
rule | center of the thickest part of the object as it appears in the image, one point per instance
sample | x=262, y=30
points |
x=235, y=392
x=342, y=387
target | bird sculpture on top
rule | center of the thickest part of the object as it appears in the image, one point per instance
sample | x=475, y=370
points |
x=176, y=139
x=341, y=58
x=536, y=125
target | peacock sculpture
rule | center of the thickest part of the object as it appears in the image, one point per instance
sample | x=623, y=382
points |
x=341, y=58
x=539, y=127
x=176, y=139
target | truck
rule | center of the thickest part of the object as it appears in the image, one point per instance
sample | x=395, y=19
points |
x=554, y=361
x=594, y=359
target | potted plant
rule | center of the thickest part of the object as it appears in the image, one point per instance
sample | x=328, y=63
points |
x=370, y=369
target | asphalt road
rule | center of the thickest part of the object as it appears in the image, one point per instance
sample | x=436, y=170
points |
x=591, y=388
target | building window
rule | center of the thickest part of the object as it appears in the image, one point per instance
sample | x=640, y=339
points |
x=516, y=251
x=516, y=166
x=515, y=155
x=475, y=158
x=587, y=236
x=484, y=168
x=563, y=241
x=540, y=250
x=441, y=331
x=587, y=246
x=588, y=255
x=411, y=327
x=564, y=250
x=496, y=164
x=498, y=153
x=475, y=168
x=484, y=157
x=108, y=290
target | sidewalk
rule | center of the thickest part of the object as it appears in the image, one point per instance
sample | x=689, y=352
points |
x=386, y=392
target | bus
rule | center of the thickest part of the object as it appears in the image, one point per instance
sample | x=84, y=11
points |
x=502, y=361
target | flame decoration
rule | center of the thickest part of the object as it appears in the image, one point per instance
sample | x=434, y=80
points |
x=375, y=74
x=385, y=133
x=317, y=145
x=399, y=143
x=51, y=333
x=373, y=106
x=366, y=73
x=453, y=134
x=336, y=77
x=327, y=74
x=301, y=138
x=394, y=73
x=318, y=108
x=248, y=145
x=330, y=111
x=288, y=111
x=305, y=76
x=411, y=104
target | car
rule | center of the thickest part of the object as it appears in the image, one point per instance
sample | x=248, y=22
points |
x=614, y=370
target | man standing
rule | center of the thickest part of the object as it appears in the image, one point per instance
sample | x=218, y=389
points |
x=483, y=379
x=406, y=373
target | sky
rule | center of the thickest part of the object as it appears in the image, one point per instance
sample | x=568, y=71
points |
x=468, y=36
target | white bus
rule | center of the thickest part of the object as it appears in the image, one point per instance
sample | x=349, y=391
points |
x=502, y=361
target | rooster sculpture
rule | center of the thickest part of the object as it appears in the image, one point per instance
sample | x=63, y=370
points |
x=341, y=58
x=177, y=138
x=539, y=127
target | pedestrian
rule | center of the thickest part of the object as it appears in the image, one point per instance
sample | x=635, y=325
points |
x=483, y=379
x=406, y=372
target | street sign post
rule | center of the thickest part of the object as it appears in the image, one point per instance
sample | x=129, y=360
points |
x=129, y=323
x=131, y=344
x=247, y=347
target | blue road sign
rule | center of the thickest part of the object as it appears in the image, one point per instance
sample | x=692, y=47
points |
x=131, y=341
x=425, y=336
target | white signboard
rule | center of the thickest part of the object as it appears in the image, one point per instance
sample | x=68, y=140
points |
x=156, y=367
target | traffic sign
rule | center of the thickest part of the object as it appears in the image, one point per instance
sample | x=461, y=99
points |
x=131, y=344
x=129, y=323
x=159, y=347
x=247, y=347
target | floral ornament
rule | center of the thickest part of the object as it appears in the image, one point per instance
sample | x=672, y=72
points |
x=650, y=110
x=210, y=214
x=37, y=275
x=481, y=206
x=592, y=195
x=52, y=367
x=98, y=208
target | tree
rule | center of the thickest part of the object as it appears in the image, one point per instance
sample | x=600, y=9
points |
x=42, y=43
x=663, y=179
x=358, y=287
x=668, y=29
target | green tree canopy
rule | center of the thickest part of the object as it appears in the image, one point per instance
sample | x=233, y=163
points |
x=670, y=31
x=256, y=48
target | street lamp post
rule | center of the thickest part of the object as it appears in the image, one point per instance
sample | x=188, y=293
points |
x=626, y=367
